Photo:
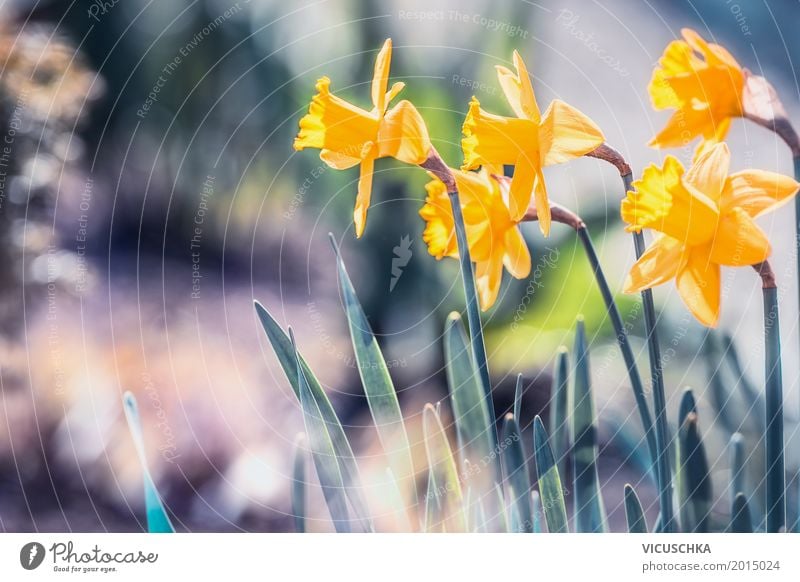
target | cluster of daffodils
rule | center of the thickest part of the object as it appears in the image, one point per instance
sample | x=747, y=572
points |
x=703, y=217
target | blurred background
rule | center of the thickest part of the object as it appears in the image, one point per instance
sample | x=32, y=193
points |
x=149, y=193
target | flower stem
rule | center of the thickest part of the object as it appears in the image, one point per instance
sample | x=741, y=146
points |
x=659, y=396
x=436, y=165
x=776, y=480
x=796, y=526
x=666, y=519
x=622, y=340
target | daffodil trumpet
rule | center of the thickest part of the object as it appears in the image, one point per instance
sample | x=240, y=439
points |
x=661, y=460
x=565, y=216
x=776, y=464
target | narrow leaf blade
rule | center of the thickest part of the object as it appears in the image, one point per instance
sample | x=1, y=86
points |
x=157, y=519
x=550, y=489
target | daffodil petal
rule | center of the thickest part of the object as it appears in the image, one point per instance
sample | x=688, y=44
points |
x=739, y=241
x=338, y=161
x=488, y=275
x=494, y=139
x=517, y=258
x=662, y=201
x=678, y=58
x=709, y=172
x=565, y=134
x=698, y=282
x=334, y=124
x=519, y=196
x=757, y=191
x=684, y=126
x=403, y=135
x=542, y=204
x=439, y=233
x=714, y=54
x=364, y=195
x=658, y=264
x=380, y=78
x=518, y=89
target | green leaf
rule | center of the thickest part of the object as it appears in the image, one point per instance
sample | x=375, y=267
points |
x=474, y=425
x=633, y=512
x=378, y=386
x=442, y=467
x=559, y=402
x=550, y=489
x=157, y=518
x=322, y=452
x=395, y=501
x=687, y=405
x=737, y=464
x=299, y=484
x=344, y=453
x=536, y=508
x=741, y=521
x=589, y=511
x=518, y=399
x=433, y=509
x=515, y=477
x=693, y=479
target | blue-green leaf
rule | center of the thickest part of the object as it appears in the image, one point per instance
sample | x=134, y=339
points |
x=559, y=403
x=344, y=453
x=157, y=518
x=442, y=466
x=474, y=424
x=589, y=511
x=322, y=452
x=741, y=522
x=550, y=489
x=515, y=477
x=299, y=484
x=378, y=386
x=633, y=512
x=693, y=479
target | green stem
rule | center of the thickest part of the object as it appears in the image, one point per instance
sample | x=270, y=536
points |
x=796, y=526
x=776, y=485
x=622, y=340
x=659, y=398
x=435, y=164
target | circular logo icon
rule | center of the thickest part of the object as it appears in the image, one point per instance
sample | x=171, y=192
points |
x=31, y=555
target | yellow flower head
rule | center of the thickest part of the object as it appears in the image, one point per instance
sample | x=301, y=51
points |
x=349, y=135
x=704, y=83
x=529, y=141
x=493, y=236
x=705, y=220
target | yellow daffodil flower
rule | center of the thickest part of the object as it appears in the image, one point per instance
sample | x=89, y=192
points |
x=705, y=220
x=349, y=135
x=529, y=141
x=493, y=236
x=704, y=83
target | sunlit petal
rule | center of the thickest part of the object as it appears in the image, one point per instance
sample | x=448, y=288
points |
x=739, y=241
x=380, y=78
x=364, y=194
x=709, y=172
x=565, y=133
x=757, y=191
x=494, y=139
x=658, y=264
x=403, y=135
x=698, y=282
